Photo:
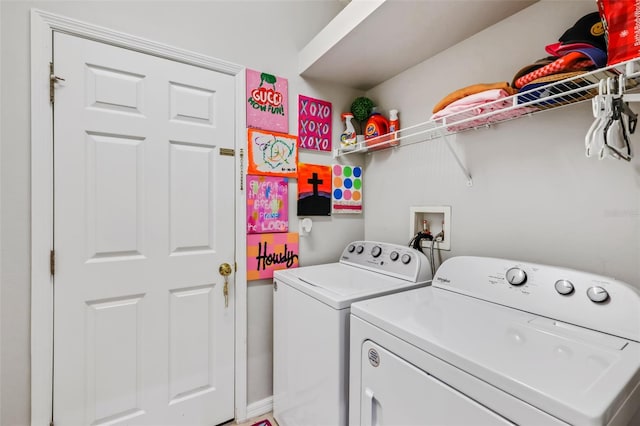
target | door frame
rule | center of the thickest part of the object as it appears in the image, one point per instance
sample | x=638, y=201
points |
x=43, y=24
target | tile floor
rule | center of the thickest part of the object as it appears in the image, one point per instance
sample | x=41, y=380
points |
x=268, y=416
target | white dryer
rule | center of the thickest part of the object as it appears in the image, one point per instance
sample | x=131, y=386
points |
x=311, y=308
x=498, y=342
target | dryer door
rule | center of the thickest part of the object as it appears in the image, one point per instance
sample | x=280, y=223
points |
x=395, y=392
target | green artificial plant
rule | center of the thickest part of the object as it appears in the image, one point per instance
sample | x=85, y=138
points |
x=361, y=109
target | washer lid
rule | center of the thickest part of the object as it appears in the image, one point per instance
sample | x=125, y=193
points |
x=576, y=374
x=338, y=285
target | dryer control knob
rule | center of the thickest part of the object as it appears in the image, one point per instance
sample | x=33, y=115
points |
x=394, y=255
x=564, y=287
x=351, y=248
x=360, y=249
x=406, y=258
x=516, y=276
x=597, y=294
x=376, y=251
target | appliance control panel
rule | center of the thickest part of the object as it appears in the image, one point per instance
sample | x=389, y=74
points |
x=389, y=259
x=575, y=297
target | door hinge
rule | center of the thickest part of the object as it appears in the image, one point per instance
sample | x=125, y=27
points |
x=228, y=151
x=236, y=266
x=53, y=79
x=52, y=262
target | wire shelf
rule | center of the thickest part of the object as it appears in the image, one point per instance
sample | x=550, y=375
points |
x=554, y=95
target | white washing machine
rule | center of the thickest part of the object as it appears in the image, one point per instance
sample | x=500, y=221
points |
x=498, y=342
x=311, y=326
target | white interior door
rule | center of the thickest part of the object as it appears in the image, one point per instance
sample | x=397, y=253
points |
x=144, y=216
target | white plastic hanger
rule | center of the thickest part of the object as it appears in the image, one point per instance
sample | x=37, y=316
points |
x=616, y=131
x=601, y=109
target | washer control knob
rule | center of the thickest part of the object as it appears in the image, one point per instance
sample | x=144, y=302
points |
x=516, y=276
x=351, y=248
x=406, y=258
x=359, y=249
x=394, y=255
x=564, y=287
x=597, y=294
x=376, y=251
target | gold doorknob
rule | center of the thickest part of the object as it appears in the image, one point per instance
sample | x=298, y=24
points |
x=225, y=269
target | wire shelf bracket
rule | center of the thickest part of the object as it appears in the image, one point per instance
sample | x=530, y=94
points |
x=464, y=170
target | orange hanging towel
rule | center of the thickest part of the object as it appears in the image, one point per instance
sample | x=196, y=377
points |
x=471, y=90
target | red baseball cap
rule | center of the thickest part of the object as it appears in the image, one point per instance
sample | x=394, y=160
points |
x=558, y=49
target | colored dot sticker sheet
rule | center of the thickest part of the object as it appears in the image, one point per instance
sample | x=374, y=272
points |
x=347, y=189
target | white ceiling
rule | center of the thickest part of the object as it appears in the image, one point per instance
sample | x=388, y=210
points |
x=371, y=41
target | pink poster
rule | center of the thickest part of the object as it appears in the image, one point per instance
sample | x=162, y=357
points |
x=267, y=204
x=269, y=252
x=314, y=124
x=267, y=102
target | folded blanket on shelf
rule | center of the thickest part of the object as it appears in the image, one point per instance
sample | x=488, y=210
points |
x=461, y=112
x=474, y=100
x=471, y=90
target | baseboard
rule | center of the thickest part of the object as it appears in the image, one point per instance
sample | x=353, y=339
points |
x=259, y=408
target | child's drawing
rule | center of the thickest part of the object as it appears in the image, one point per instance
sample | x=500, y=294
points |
x=272, y=153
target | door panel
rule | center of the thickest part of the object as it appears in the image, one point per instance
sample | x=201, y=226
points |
x=113, y=364
x=191, y=211
x=115, y=203
x=144, y=215
x=192, y=104
x=114, y=90
x=191, y=369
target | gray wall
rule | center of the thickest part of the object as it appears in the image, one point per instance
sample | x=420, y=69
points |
x=262, y=35
x=535, y=197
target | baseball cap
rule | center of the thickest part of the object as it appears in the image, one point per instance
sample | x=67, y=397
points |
x=538, y=89
x=588, y=29
x=597, y=56
x=572, y=61
x=531, y=67
x=559, y=48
